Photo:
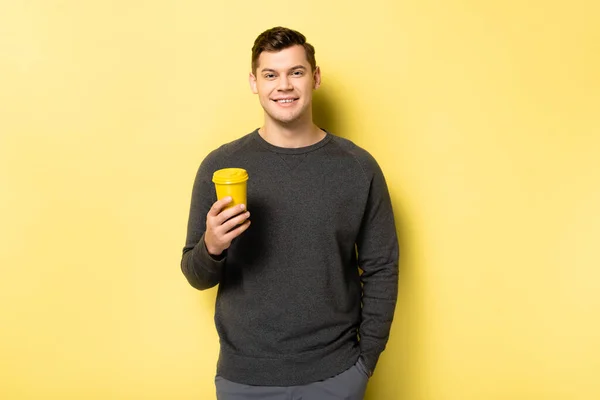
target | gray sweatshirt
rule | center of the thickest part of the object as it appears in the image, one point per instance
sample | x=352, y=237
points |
x=290, y=306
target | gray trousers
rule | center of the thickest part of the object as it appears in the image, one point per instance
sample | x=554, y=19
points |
x=349, y=385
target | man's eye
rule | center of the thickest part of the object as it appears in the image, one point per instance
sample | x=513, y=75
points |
x=298, y=73
x=269, y=76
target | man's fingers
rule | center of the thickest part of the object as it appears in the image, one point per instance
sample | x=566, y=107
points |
x=229, y=213
x=237, y=231
x=218, y=206
x=233, y=222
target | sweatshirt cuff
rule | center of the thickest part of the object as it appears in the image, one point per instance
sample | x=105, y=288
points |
x=203, y=257
x=369, y=358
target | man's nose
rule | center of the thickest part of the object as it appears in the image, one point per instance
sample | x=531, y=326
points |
x=285, y=83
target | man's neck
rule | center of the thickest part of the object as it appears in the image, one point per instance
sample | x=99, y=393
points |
x=291, y=136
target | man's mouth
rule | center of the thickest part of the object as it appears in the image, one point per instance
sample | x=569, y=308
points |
x=284, y=101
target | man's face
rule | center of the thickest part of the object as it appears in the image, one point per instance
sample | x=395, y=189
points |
x=284, y=83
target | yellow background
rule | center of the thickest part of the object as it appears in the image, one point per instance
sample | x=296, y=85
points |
x=484, y=116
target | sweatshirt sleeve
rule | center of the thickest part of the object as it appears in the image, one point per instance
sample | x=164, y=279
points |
x=202, y=270
x=377, y=247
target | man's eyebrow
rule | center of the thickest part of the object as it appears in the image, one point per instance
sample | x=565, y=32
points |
x=294, y=67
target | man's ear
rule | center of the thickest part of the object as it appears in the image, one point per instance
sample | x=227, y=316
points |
x=252, y=81
x=317, y=78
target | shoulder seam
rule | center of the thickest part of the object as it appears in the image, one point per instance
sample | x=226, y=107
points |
x=354, y=157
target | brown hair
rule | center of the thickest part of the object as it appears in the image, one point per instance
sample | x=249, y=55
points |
x=279, y=38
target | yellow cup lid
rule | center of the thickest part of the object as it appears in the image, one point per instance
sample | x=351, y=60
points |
x=230, y=175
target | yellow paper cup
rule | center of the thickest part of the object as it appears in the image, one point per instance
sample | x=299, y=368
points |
x=231, y=182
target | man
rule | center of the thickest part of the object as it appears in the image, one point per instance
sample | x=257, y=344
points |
x=288, y=309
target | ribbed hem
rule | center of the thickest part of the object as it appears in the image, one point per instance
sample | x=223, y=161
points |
x=289, y=371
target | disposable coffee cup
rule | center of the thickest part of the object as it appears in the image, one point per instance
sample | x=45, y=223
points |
x=231, y=182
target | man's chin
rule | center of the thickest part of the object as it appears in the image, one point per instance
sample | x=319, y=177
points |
x=284, y=120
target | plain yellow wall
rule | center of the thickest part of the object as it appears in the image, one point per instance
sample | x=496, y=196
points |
x=484, y=115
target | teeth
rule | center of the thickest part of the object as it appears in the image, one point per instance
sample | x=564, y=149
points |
x=285, y=101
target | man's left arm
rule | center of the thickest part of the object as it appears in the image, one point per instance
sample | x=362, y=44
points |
x=377, y=246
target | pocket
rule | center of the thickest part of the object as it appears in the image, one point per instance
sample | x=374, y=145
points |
x=360, y=365
x=349, y=385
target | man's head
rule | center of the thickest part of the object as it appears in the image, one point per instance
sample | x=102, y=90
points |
x=277, y=39
x=284, y=74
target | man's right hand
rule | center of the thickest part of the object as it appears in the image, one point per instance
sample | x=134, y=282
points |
x=223, y=225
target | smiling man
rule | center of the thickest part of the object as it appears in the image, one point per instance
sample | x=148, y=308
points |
x=284, y=81
x=295, y=316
